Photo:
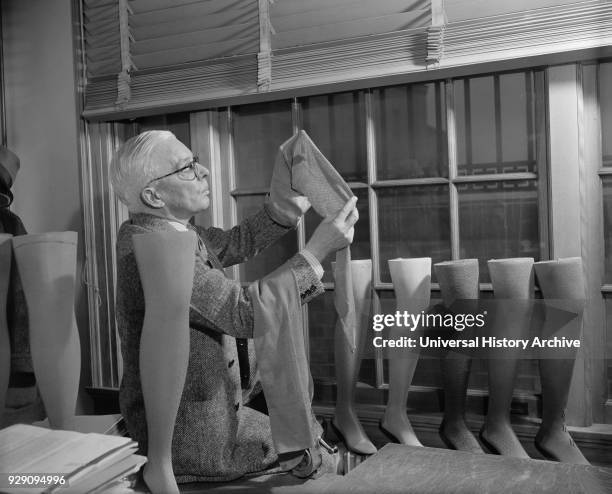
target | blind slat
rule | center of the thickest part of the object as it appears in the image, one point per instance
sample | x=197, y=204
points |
x=351, y=29
x=105, y=52
x=188, y=54
x=150, y=5
x=328, y=20
x=102, y=43
x=104, y=67
x=201, y=9
x=459, y=10
x=92, y=4
x=324, y=17
x=200, y=40
x=296, y=7
x=144, y=31
x=100, y=40
x=100, y=18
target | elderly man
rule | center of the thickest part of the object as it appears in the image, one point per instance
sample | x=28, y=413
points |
x=164, y=186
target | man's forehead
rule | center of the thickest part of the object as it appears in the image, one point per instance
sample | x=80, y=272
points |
x=173, y=150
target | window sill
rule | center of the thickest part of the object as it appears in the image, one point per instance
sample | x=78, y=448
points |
x=595, y=441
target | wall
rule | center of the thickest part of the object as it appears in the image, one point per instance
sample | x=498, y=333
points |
x=42, y=128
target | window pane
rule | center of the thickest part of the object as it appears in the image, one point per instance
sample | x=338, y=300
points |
x=272, y=257
x=498, y=220
x=608, y=351
x=475, y=122
x=605, y=101
x=413, y=222
x=336, y=124
x=494, y=118
x=258, y=132
x=410, y=130
x=360, y=248
x=607, y=215
x=177, y=123
x=517, y=117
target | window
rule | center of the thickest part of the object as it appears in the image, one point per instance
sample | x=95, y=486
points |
x=447, y=169
x=466, y=167
x=604, y=85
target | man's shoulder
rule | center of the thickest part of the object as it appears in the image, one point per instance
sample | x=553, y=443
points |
x=136, y=224
x=143, y=223
x=126, y=230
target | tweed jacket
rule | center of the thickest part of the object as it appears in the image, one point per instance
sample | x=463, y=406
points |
x=215, y=437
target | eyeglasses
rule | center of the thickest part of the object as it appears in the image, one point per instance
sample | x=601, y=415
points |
x=190, y=171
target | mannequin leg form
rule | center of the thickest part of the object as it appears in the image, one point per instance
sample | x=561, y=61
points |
x=166, y=264
x=512, y=279
x=458, y=281
x=47, y=266
x=6, y=252
x=347, y=362
x=562, y=280
x=412, y=283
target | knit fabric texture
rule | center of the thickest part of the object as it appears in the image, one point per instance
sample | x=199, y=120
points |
x=283, y=367
x=313, y=176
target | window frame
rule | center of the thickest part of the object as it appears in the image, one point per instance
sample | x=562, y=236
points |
x=210, y=136
x=595, y=171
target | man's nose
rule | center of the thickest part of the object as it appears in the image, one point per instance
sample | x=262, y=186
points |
x=202, y=171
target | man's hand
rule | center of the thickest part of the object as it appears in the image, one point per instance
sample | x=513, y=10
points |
x=287, y=203
x=334, y=233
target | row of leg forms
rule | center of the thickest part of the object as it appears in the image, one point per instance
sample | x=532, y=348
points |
x=513, y=283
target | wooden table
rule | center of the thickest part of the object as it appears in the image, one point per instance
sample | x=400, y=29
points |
x=409, y=469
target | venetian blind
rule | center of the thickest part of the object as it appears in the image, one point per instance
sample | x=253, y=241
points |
x=147, y=55
x=479, y=31
x=171, y=51
x=317, y=41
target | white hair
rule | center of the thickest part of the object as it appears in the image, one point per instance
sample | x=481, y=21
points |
x=134, y=164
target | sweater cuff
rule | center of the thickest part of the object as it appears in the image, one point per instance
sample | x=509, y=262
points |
x=313, y=261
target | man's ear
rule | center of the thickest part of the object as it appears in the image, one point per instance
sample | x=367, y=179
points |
x=151, y=198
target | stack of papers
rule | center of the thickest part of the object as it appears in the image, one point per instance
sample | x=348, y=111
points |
x=39, y=460
x=111, y=425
